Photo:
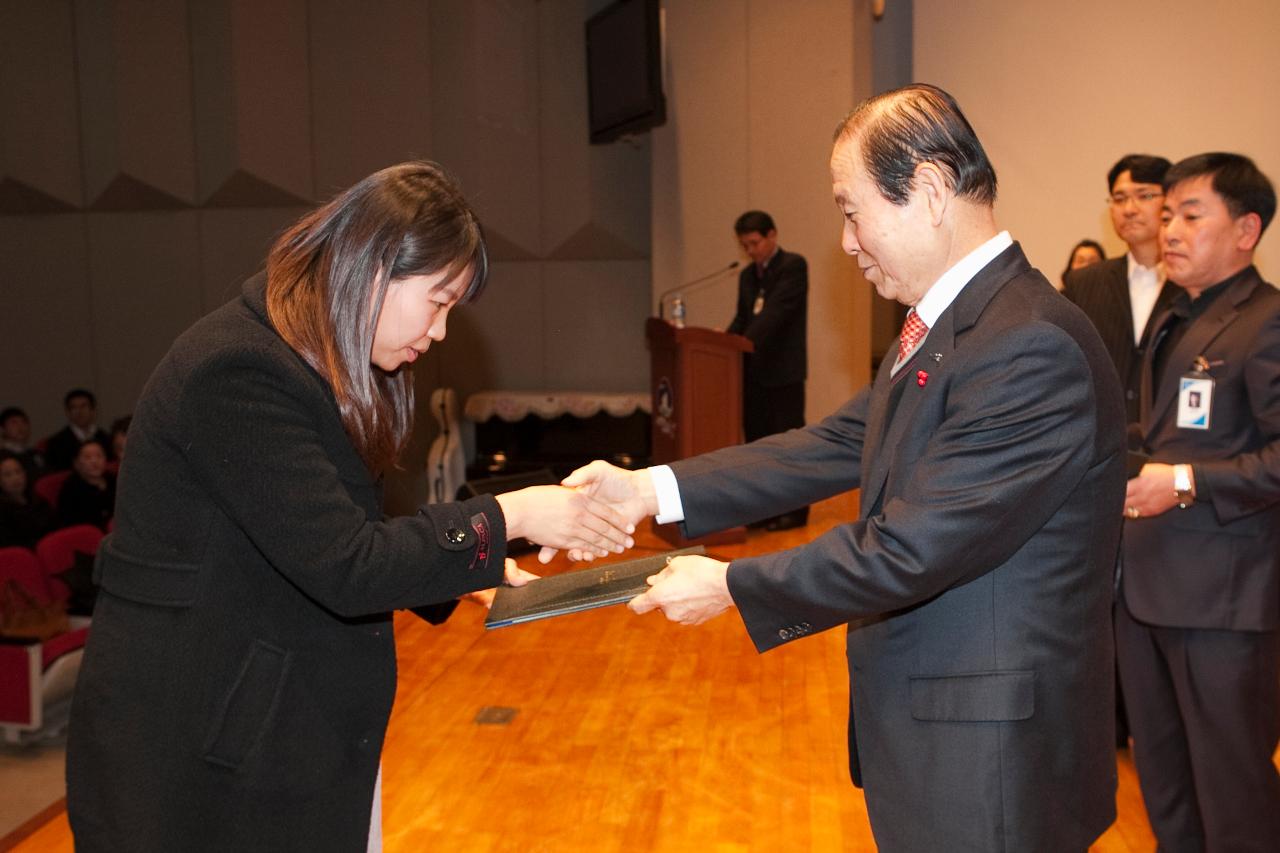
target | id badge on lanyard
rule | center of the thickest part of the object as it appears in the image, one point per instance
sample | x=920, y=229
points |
x=1195, y=395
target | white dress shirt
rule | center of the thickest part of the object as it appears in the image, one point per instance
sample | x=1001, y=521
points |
x=1144, y=288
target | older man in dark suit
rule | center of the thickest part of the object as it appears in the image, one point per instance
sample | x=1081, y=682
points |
x=976, y=582
x=1198, y=625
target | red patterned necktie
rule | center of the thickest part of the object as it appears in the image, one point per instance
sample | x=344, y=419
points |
x=913, y=332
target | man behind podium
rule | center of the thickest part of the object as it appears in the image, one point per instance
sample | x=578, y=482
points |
x=976, y=582
x=772, y=312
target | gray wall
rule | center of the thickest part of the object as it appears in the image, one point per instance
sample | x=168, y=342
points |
x=151, y=149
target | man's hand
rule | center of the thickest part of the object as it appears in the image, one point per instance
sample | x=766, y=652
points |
x=629, y=493
x=566, y=518
x=513, y=575
x=690, y=590
x=1151, y=492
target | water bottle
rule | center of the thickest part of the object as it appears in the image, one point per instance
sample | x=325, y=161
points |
x=677, y=312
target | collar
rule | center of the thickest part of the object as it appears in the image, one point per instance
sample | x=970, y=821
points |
x=1134, y=266
x=945, y=290
x=769, y=260
x=1184, y=306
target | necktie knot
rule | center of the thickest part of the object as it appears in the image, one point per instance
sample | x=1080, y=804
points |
x=913, y=332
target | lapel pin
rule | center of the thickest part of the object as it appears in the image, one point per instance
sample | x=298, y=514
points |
x=921, y=378
x=936, y=356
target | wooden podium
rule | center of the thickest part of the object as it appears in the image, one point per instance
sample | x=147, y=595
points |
x=695, y=378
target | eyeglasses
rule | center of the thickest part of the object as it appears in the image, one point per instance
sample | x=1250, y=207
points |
x=1144, y=197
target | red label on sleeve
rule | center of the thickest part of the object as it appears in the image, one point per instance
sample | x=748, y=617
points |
x=480, y=524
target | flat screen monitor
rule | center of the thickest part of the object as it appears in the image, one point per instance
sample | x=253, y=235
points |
x=624, y=70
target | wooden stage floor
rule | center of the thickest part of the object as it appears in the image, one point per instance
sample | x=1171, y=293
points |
x=629, y=733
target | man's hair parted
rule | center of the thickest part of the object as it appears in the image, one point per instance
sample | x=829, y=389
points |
x=902, y=128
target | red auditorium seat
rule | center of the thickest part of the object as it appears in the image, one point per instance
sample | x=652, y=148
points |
x=36, y=683
x=50, y=485
x=57, y=553
x=22, y=565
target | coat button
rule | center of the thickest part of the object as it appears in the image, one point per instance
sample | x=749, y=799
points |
x=1129, y=395
x=455, y=535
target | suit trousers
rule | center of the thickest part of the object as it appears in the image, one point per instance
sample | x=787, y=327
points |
x=1204, y=711
x=771, y=410
x=768, y=411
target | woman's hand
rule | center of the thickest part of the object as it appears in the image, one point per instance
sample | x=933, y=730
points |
x=558, y=517
x=513, y=575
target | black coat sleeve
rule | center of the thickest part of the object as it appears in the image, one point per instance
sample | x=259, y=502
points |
x=256, y=444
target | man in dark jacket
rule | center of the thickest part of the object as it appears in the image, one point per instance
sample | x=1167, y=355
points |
x=1198, y=622
x=773, y=307
x=82, y=414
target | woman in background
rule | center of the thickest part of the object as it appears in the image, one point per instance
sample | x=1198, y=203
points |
x=1083, y=254
x=88, y=495
x=24, y=515
x=236, y=688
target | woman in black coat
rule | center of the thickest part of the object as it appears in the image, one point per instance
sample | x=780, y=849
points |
x=88, y=495
x=24, y=515
x=239, y=676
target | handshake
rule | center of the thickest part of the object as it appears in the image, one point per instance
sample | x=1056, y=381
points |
x=593, y=513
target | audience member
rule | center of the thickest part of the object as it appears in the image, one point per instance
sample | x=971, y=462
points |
x=82, y=413
x=89, y=494
x=15, y=437
x=1083, y=254
x=24, y=515
x=1198, y=620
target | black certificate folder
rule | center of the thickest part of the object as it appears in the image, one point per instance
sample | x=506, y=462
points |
x=572, y=592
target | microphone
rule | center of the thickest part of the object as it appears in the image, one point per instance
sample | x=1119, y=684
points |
x=662, y=298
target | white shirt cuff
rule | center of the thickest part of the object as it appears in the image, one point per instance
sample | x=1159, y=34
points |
x=668, y=491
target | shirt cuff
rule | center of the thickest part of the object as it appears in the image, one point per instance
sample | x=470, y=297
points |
x=667, y=490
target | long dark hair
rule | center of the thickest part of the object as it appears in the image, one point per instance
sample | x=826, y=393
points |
x=327, y=277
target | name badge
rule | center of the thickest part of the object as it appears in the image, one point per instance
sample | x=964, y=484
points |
x=1195, y=400
x=759, y=304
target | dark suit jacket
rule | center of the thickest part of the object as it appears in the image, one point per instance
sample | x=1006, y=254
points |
x=61, y=447
x=1216, y=564
x=236, y=687
x=779, y=330
x=1102, y=292
x=80, y=502
x=976, y=582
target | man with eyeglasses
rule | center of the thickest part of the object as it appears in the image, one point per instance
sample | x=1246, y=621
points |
x=1120, y=295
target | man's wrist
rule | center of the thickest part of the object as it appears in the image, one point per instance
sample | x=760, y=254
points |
x=662, y=494
x=1184, y=485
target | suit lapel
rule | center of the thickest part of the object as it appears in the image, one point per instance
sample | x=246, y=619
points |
x=877, y=411
x=1203, y=330
x=894, y=421
x=1120, y=295
x=1163, y=300
x=934, y=357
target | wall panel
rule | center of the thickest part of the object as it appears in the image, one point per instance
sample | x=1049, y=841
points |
x=133, y=64
x=39, y=120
